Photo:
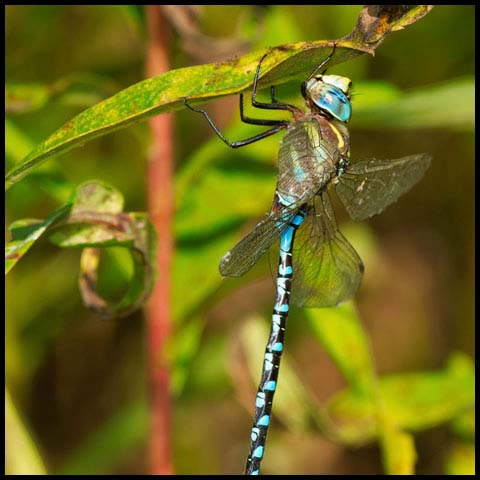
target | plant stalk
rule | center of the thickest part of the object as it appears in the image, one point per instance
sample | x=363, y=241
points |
x=160, y=207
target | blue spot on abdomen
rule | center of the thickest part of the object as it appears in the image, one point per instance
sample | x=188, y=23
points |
x=277, y=347
x=258, y=453
x=270, y=386
x=264, y=421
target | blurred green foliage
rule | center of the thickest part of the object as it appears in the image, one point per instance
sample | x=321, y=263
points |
x=21, y=454
x=80, y=382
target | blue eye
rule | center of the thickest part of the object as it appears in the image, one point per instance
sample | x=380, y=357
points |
x=334, y=101
x=330, y=94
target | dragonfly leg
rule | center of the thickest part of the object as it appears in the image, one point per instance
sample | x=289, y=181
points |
x=256, y=121
x=274, y=105
x=272, y=94
x=322, y=64
x=278, y=125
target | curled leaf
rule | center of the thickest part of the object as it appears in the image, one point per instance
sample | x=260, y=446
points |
x=96, y=220
x=26, y=232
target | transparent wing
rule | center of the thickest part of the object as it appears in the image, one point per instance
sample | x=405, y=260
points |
x=241, y=258
x=326, y=268
x=306, y=162
x=368, y=187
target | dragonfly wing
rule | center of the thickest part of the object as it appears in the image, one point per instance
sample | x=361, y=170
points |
x=368, y=187
x=241, y=258
x=326, y=268
x=306, y=162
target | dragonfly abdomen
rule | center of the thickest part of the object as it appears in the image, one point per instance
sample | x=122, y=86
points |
x=274, y=349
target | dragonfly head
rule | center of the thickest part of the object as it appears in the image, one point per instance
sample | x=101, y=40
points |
x=329, y=94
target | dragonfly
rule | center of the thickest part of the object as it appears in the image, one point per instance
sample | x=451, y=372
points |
x=317, y=265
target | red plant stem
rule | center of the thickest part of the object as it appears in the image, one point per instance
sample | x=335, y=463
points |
x=160, y=206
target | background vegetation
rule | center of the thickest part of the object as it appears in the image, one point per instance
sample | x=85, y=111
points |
x=77, y=384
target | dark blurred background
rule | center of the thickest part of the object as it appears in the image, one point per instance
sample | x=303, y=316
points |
x=79, y=383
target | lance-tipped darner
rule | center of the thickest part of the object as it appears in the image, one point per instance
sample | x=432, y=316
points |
x=320, y=268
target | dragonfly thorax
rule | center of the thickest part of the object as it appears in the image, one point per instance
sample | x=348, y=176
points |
x=330, y=95
x=341, y=166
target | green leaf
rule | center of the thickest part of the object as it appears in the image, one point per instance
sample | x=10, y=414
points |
x=461, y=459
x=196, y=263
x=22, y=97
x=398, y=451
x=48, y=176
x=166, y=93
x=244, y=187
x=122, y=432
x=134, y=16
x=412, y=401
x=205, y=82
x=339, y=330
x=17, y=144
x=21, y=454
x=464, y=425
x=382, y=408
x=449, y=105
x=26, y=232
x=181, y=351
x=423, y=400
